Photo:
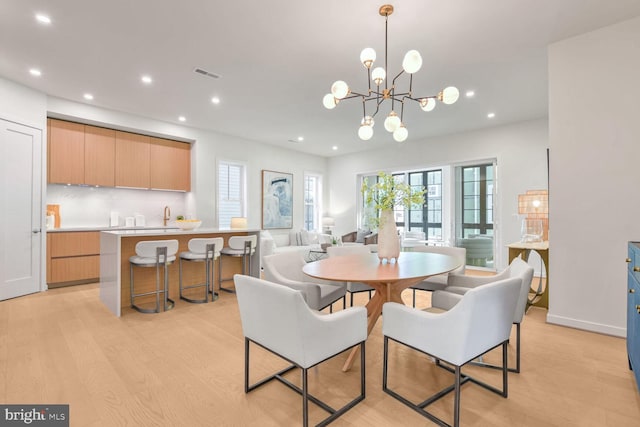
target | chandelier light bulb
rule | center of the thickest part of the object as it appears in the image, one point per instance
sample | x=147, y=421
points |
x=367, y=57
x=427, y=104
x=412, y=61
x=449, y=95
x=329, y=101
x=392, y=122
x=378, y=75
x=365, y=132
x=367, y=120
x=401, y=133
x=339, y=89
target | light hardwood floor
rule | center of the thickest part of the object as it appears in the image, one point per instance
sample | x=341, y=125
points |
x=185, y=368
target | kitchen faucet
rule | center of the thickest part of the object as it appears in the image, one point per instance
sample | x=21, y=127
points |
x=166, y=216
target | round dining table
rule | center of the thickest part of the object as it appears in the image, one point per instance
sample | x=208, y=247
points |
x=389, y=279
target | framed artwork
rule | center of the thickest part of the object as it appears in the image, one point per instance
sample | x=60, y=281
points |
x=277, y=200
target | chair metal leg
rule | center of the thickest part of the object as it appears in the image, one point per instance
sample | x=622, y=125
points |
x=304, y=391
x=459, y=380
x=479, y=361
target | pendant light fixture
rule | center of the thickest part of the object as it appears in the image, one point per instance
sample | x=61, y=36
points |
x=382, y=91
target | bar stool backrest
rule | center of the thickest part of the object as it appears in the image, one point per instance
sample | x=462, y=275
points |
x=147, y=249
x=199, y=245
x=238, y=242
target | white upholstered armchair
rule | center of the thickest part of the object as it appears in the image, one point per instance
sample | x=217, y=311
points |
x=459, y=285
x=438, y=282
x=480, y=322
x=277, y=319
x=286, y=269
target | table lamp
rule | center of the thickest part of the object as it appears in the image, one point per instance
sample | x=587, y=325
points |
x=238, y=223
x=535, y=205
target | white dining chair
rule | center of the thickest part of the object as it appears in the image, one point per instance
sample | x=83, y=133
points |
x=459, y=285
x=278, y=319
x=480, y=322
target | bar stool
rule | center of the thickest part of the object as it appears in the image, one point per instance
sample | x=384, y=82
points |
x=154, y=253
x=239, y=246
x=205, y=250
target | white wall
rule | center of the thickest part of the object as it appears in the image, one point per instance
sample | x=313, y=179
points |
x=520, y=150
x=23, y=105
x=594, y=129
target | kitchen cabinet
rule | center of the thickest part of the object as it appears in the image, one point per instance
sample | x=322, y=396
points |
x=73, y=257
x=91, y=155
x=132, y=160
x=99, y=156
x=170, y=166
x=633, y=309
x=65, y=141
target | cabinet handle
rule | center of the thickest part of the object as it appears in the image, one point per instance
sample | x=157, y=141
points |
x=636, y=268
x=628, y=260
x=632, y=291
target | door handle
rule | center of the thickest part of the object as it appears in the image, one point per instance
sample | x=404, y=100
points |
x=36, y=231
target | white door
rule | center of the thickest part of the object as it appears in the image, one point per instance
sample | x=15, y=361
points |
x=21, y=213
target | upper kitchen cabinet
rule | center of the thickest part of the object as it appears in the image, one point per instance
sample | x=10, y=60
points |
x=132, y=160
x=99, y=156
x=170, y=165
x=66, y=152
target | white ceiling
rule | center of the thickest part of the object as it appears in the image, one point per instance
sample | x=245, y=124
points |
x=278, y=58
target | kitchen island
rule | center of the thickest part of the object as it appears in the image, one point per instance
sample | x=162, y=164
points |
x=118, y=245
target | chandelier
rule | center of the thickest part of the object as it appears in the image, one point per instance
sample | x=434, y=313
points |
x=392, y=123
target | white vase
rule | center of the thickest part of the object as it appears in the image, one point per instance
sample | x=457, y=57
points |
x=388, y=241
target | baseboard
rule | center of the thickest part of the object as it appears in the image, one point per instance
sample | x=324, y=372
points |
x=587, y=326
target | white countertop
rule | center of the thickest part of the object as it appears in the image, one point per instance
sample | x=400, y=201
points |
x=103, y=228
x=174, y=231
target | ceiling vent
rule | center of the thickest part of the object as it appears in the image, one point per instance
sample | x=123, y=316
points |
x=206, y=73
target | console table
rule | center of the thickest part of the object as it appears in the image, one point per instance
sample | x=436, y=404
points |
x=539, y=299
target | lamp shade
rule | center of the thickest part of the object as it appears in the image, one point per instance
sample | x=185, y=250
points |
x=534, y=202
x=339, y=89
x=412, y=62
x=238, y=223
x=427, y=104
x=450, y=95
x=401, y=133
x=378, y=75
x=365, y=132
x=328, y=221
x=392, y=122
x=367, y=57
x=329, y=101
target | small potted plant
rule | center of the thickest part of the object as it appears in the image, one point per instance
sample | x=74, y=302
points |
x=384, y=196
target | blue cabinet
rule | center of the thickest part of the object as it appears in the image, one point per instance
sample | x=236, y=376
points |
x=633, y=309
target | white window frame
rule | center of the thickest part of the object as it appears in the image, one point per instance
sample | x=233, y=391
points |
x=317, y=208
x=242, y=211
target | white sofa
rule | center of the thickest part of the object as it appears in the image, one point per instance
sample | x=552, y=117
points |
x=293, y=241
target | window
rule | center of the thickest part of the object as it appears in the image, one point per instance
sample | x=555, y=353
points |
x=312, y=202
x=427, y=216
x=477, y=200
x=231, y=192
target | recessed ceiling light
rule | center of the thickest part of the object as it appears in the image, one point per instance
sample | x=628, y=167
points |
x=35, y=72
x=215, y=100
x=334, y=148
x=43, y=19
x=182, y=118
x=470, y=94
x=88, y=96
x=300, y=138
x=491, y=115
x=146, y=80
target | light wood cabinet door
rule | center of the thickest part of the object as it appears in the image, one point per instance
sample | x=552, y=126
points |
x=73, y=256
x=99, y=156
x=75, y=268
x=170, y=166
x=66, y=152
x=132, y=160
x=75, y=243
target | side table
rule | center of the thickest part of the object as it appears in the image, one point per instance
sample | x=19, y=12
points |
x=540, y=297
